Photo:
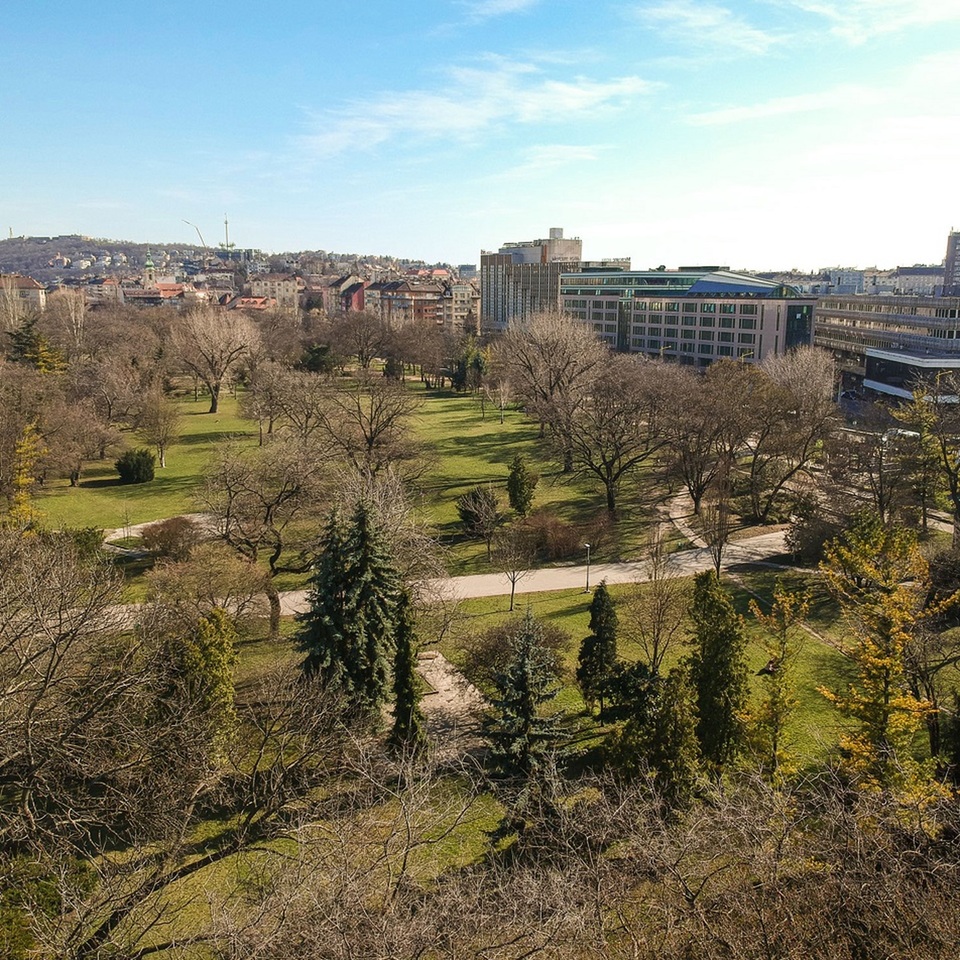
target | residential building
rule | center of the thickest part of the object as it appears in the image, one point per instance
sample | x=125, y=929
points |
x=26, y=291
x=460, y=306
x=343, y=294
x=695, y=315
x=282, y=287
x=886, y=343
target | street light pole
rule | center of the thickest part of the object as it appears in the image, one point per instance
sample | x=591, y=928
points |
x=586, y=589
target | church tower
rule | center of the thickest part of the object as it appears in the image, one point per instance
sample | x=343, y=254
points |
x=149, y=278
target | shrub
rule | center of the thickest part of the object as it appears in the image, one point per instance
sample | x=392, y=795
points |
x=173, y=539
x=479, y=510
x=555, y=539
x=136, y=466
x=489, y=654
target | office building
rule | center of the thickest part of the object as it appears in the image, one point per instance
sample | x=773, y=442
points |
x=695, y=315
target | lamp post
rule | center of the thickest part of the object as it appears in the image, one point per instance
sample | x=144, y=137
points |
x=586, y=589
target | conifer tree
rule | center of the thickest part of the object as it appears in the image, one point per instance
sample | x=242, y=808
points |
x=347, y=633
x=717, y=671
x=521, y=484
x=660, y=739
x=598, y=652
x=409, y=734
x=519, y=733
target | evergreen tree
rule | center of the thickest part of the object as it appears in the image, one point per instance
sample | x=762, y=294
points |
x=598, y=652
x=717, y=671
x=347, y=633
x=519, y=734
x=521, y=484
x=409, y=734
x=324, y=632
x=660, y=739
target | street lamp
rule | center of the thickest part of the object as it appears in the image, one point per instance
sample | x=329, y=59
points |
x=586, y=589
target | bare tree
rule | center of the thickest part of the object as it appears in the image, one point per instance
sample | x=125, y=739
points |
x=515, y=554
x=655, y=610
x=615, y=424
x=360, y=334
x=549, y=361
x=211, y=343
x=158, y=421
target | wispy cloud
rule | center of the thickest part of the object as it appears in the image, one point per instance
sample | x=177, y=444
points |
x=705, y=25
x=857, y=21
x=932, y=81
x=487, y=9
x=852, y=97
x=473, y=100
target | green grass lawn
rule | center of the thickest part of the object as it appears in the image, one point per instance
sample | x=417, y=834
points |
x=102, y=501
x=816, y=724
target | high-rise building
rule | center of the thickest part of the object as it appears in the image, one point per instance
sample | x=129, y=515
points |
x=951, y=266
x=523, y=278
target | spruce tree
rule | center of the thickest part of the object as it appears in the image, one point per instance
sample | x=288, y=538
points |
x=718, y=671
x=409, y=735
x=598, y=652
x=347, y=633
x=324, y=631
x=518, y=732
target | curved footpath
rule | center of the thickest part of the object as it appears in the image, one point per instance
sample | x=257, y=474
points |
x=684, y=563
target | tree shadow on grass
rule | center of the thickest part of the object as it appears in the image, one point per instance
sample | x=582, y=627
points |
x=106, y=482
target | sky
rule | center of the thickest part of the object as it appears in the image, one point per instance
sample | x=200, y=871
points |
x=772, y=134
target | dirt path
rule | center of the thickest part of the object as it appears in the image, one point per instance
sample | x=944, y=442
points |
x=453, y=708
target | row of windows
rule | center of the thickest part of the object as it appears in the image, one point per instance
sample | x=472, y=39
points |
x=704, y=349
x=726, y=323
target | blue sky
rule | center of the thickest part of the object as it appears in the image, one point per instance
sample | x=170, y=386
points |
x=766, y=134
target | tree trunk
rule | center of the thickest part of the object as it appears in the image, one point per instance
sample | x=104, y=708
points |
x=214, y=398
x=273, y=596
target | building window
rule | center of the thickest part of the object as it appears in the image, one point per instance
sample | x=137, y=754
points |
x=654, y=318
x=706, y=335
x=708, y=308
x=688, y=334
x=653, y=344
x=670, y=332
x=656, y=304
x=707, y=321
x=725, y=351
x=689, y=308
x=639, y=304
x=743, y=354
x=725, y=336
x=726, y=322
x=672, y=306
x=748, y=309
x=748, y=324
x=728, y=308
x=686, y=347
x=705, y=348
x=747, y=338
x=689, y=321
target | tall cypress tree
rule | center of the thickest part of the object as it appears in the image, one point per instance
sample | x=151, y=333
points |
x=598, y=652
x=409, y=735
x=519, y=733
x=717, y=670
x=347, y=633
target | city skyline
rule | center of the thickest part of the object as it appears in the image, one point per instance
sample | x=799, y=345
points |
x=768, y=135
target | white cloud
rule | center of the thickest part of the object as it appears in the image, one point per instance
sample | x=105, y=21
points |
x=847, y=97
x=706, y=25
x=930, y=81
x=487, y=9
x=475, y=99
x=856, y=21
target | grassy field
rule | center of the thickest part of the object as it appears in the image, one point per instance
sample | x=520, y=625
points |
x=102, y=501
x=815, y=725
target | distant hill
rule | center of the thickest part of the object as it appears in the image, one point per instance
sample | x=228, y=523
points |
x=73, y=256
